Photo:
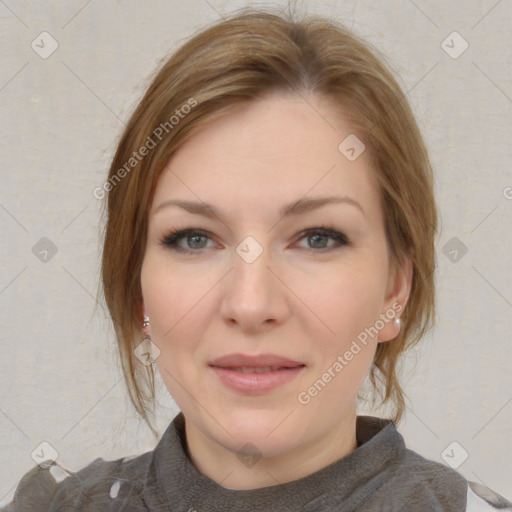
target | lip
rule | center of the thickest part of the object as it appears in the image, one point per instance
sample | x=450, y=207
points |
x=255, y=383
x=261, y=360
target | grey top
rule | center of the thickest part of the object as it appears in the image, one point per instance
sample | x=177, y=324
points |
x=381, y=475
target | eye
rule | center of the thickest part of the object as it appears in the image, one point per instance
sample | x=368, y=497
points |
x=319, y=237
x=193, y=237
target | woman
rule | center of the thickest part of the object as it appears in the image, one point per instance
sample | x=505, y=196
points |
x=269, y=245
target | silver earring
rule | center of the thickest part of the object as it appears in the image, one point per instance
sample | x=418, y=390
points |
x=398, y=323
x=145, y=321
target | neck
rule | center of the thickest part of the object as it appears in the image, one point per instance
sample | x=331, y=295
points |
x=224, y=466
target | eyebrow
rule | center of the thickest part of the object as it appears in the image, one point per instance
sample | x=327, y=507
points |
x=297, y=208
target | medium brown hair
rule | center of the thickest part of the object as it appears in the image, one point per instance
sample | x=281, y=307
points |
x=236, y=60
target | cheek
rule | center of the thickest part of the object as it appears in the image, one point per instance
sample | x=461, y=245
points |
x=171, y=301
x=344, y=302
x=343, y=347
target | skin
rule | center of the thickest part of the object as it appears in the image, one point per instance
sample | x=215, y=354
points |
x=295, y=300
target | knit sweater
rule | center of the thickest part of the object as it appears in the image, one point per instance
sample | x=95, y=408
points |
x=381, y=475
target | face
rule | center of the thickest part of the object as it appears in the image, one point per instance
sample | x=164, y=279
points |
x=290, y=287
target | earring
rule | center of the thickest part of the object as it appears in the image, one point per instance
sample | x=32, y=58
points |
x=398, y=323
x=146, y=352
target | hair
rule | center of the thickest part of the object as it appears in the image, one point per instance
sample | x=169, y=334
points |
x=250, y=55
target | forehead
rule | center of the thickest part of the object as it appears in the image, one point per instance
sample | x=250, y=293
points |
x=278, y=149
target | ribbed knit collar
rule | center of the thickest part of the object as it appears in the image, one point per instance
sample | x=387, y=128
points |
x=174, y=483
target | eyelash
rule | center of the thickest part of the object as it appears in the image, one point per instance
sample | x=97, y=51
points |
x=171, y=239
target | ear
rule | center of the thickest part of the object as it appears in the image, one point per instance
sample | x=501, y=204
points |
x=397, y=295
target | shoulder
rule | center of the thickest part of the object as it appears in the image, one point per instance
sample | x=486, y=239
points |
x=436, y=487
x=104, y=485
x=413, y=482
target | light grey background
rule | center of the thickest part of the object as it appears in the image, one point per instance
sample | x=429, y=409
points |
x=60, y=380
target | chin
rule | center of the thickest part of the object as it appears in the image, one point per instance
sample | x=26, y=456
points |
x=264, y=430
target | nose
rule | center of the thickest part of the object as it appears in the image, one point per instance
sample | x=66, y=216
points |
x=254, y=296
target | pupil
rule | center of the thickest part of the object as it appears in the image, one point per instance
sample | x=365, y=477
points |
x=195, y=237
x=318, y=237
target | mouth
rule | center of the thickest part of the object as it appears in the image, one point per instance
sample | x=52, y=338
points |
x=255, y=375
